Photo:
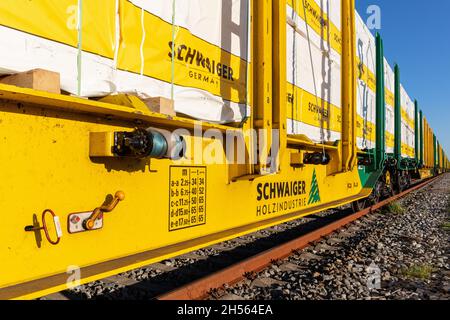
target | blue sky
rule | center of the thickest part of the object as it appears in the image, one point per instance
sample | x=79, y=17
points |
x=416, y=35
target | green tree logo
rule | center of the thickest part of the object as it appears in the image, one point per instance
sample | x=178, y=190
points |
x=314, y=194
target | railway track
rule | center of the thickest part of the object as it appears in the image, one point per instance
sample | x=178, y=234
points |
x=238, y=260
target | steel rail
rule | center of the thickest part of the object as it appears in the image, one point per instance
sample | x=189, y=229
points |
x=201, y=288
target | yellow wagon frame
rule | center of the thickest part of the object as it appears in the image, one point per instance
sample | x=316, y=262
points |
x=46, y=164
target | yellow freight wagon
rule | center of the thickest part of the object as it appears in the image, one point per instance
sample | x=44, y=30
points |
x=152, y=132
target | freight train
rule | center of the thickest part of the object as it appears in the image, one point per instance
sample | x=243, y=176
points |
x=135, y=131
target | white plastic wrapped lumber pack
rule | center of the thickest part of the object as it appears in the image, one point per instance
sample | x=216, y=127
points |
x=314, y=69
x=47, y=35
x=211, y=40
x=366, y=90
x=125, y=46
x=389, y=82
x=408, y=124
x=418, y=135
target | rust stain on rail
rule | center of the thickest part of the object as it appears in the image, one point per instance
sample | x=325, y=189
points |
x=200, y=289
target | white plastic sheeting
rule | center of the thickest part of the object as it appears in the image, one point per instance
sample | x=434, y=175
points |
x=314, y=69
x=199, y=91
x=366, y=90
x=389, y=82
x=408, y=136
x=210, y=85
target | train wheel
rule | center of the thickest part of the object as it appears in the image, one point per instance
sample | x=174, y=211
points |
x=377, y=193
x=399, y=186
x=389, y=185
x=360, y=205
x=409, y=178
x=404, y=181
x=371, y=200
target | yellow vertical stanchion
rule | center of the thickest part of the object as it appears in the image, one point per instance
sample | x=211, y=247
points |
x=348, y=85
x=262, y=77
x=279, y=75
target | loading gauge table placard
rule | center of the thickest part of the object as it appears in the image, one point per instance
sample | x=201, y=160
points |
x=187, y=199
